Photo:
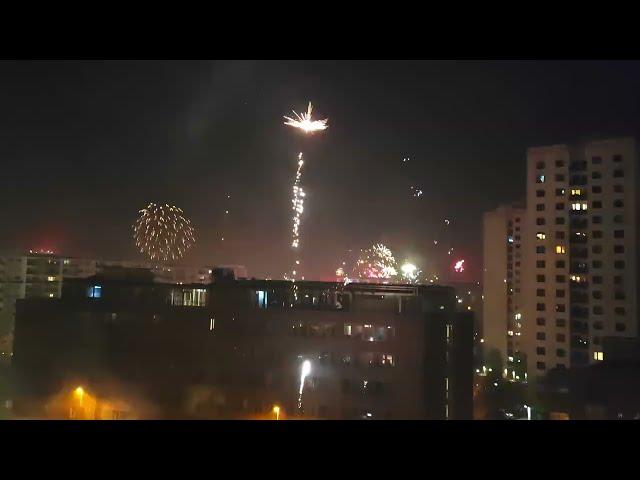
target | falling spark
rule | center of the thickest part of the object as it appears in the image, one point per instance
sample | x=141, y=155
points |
x=459, y=266
x=305, y=123
x=162, y=232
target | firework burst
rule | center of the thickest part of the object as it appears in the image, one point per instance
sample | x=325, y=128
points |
x=305, y=123
x=162, y=232
x=410, y=272
x=377, y=263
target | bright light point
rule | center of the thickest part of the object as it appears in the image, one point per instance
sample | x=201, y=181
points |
x=305, y=123
x=459, y=266
x=79, y=391
x=306, y=368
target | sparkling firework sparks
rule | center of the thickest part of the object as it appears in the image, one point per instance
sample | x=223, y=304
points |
x=376, y=262
x=305, y=123
x=459, y=266
x=162, y=232
x=410, y=272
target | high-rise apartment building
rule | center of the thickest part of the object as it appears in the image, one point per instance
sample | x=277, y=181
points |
x=580, y=271
x=502, y=283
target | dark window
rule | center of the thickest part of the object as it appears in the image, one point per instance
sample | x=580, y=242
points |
x=618, y=173
x=618, y=249
x=540, y=278
x=597, y=204
x=559, y=293
x=618, y=203
x=596, y=189
x=559, y=206
x=597, y=294
x=559, y=235
x=559, y=177
x=596, y=249
x=540, y=249
x=540, y=207
x=618, y=188
x=540, y=292
x=597, y=279
x=517, y=219
x=541, y=336
x=540, y=221
x=596, y=264
x=619, y=264
x=559, y=220
x=540, y=321
x=597, y=234
x=618, y=234
x=540, y=264
x=539, y=193
x=596, y=175
x=620, y=311
x=541, y=350
x=560, y=264
x=596, y=160
x=560, y=322
x=597, y=310
x=618, y=219
x=560, y=337
x=559, y=163
x=617, y=279
x=597, y=325
x=541, y=366
x=560, y=278
x=597, y=219
x=540, y=307
x=560, y=308
x=559, y=192
x=620, y=327
x=619, y=295
x=540, y=165
x=617, y=158
x=560, y=352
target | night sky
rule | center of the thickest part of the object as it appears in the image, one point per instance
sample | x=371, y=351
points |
x=85, y=145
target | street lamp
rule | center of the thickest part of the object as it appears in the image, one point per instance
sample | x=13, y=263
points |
x=276, y=410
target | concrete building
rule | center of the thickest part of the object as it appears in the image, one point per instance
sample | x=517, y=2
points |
x=503, y=288
x=580, y=273
x=39, y=274
x=234, y=349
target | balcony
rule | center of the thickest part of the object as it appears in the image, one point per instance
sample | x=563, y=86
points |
x=580, y=253
x=578, y=238
x=579, y=223
x=579, y=312
x=580, y=267
x=579, y=327
x=579, y=297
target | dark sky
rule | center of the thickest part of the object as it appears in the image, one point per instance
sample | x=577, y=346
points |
x=85, y=145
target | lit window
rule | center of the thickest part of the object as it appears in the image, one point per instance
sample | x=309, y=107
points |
x=66, y=262
x=518, y=316
x=560, y=249
x=95, y=291
x=51, y=295
x=347, y=330
x=540, y=179
x=576, y=191
x=51, y=279
x=598, y=356
x=541, y=235
x=262, y=298
x=212, y=324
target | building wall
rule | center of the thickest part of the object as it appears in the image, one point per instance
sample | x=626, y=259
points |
x=583, y=286
x=502, y=285
x=380, y=353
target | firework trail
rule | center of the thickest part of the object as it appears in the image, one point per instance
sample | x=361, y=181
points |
x=162, y=232
x=305, y=123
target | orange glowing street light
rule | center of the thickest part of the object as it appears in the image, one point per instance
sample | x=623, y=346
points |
x=276, y=410
x=79, y=392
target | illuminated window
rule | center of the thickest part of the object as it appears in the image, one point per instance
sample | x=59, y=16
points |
x=576, y=191
x=66, y=262
x=51, y=295
x=262, y=298
x=51, y=279
x=347, y=330
x=560, y=249
x=598, y=356
x=212, y=324
x=540, y=179
x=95, y=291
x=541, y=235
